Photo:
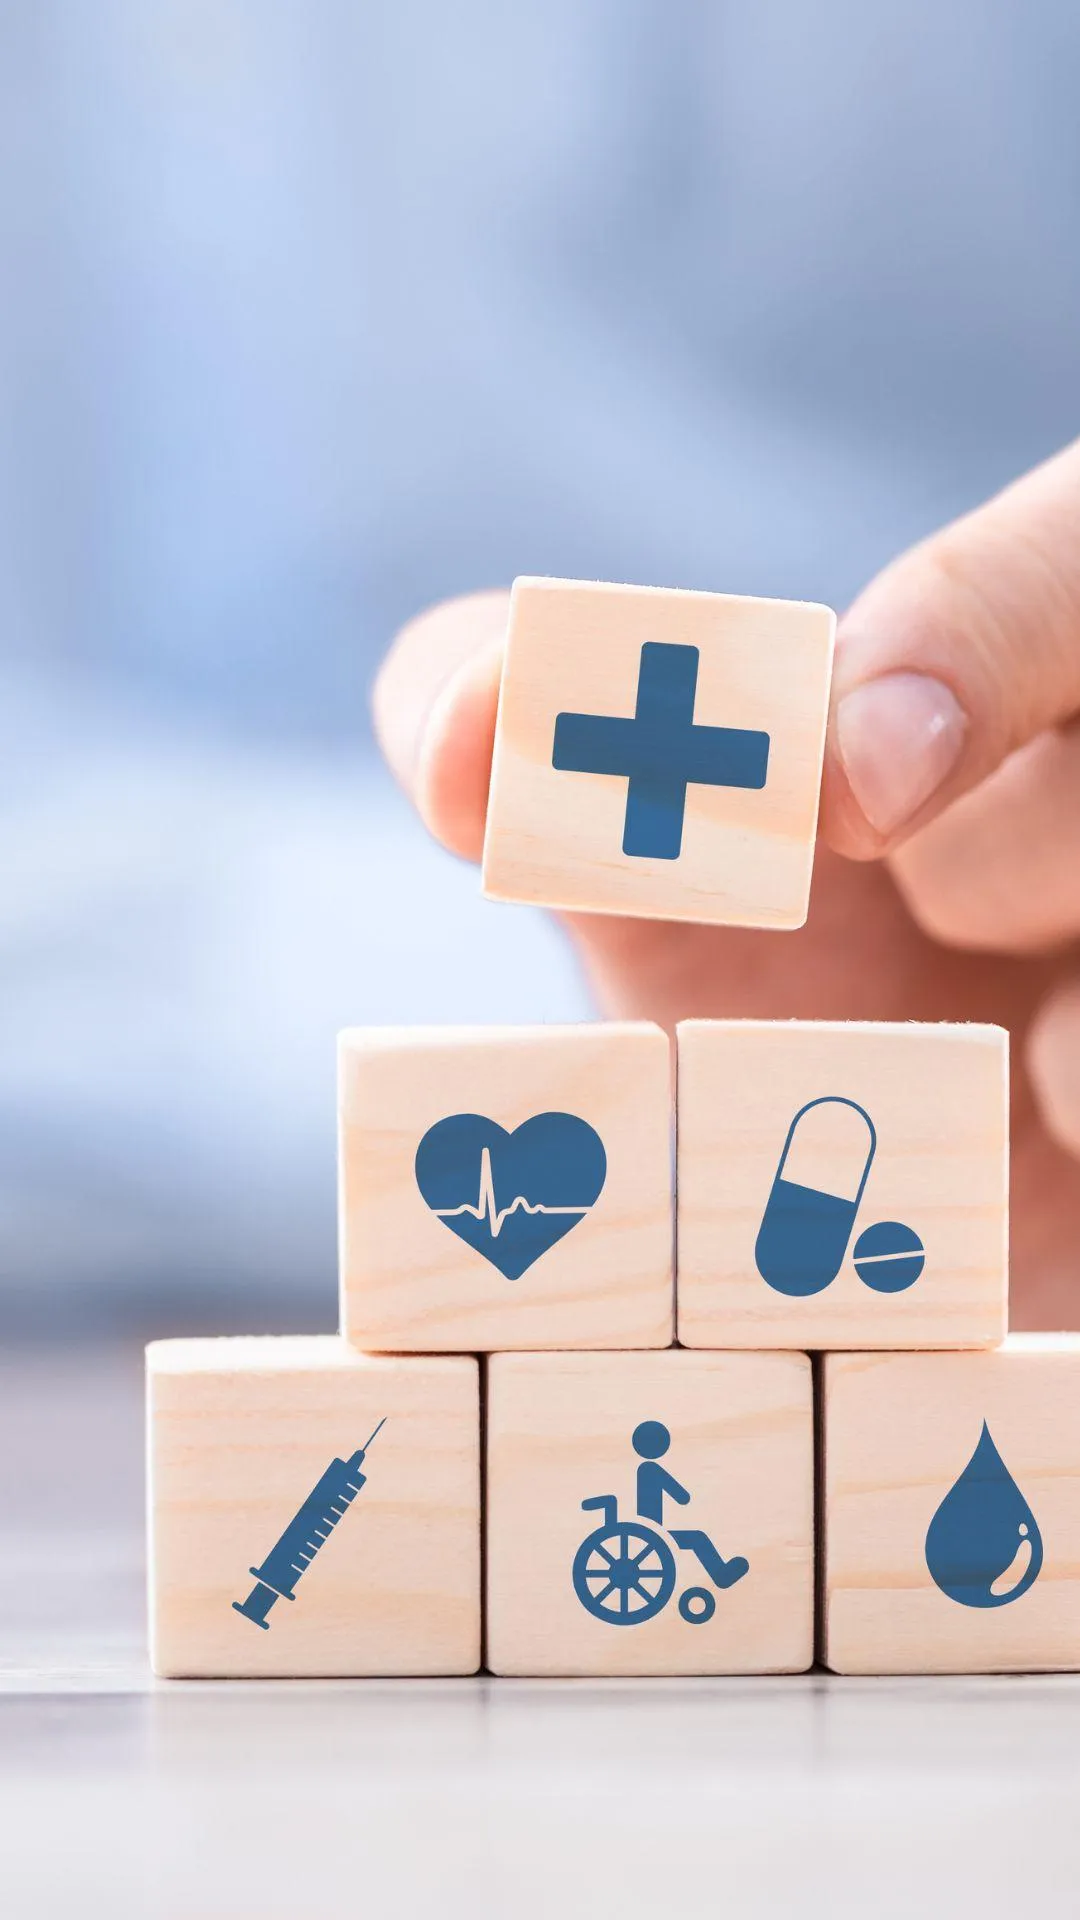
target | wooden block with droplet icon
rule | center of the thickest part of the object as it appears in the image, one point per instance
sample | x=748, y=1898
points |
x=506, y=1187
x=658, y=752
x=312, y=1510
x=951, y=1520
x=649, y=1513
x=842, y=1184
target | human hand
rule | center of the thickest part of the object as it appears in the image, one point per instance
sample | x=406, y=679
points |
x=947, y=884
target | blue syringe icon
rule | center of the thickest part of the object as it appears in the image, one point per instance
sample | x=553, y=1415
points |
x=310, y=1526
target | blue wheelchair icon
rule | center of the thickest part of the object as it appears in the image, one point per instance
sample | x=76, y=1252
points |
x=625, y=1571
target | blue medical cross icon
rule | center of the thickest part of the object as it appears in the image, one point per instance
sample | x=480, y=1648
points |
x=660, y=752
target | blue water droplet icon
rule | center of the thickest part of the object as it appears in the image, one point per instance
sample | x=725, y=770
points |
x=983, y=1546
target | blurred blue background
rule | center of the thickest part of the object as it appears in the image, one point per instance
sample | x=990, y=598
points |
x=312, y=314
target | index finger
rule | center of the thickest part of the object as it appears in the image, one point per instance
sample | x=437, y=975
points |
x=434, y=705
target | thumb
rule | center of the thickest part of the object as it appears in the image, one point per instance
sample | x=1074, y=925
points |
x=960, y=652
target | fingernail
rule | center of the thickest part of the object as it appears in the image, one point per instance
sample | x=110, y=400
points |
x=899, y=738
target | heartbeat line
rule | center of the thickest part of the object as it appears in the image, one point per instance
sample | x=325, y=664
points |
x=486, y=1209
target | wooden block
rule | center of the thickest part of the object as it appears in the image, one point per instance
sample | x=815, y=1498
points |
x=659, y=752
x=693, y=1472
x=952, y=1509
x=842, y=1185
x=506, y=1187
x=249, y=1436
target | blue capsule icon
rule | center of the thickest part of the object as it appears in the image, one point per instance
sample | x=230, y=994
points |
x=806, y=1228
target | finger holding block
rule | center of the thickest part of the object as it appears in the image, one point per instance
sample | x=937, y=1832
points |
x=842, y=1185
x=313, y=1511
x=659, y=752
x=649, y=1513
x=952, y=1509
x=506, y=1187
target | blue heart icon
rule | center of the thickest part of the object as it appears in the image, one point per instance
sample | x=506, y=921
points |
x=511, y=1195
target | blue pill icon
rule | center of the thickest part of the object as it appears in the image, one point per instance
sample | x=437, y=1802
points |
x=808, y=1223
x=889, y=1257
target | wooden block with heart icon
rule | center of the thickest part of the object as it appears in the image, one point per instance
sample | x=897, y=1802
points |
x=506, y=1188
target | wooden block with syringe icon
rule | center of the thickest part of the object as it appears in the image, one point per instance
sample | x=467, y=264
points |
x=313, y=1510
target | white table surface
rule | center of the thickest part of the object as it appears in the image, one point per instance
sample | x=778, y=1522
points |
x=124, y=1796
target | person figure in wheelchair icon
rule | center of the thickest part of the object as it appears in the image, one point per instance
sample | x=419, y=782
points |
x=625, y=1571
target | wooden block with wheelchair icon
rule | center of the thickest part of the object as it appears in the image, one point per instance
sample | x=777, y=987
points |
x=649, y=1513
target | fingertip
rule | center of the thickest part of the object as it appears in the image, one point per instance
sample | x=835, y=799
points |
x=454, y=758
x=423, y=658
x=842, y=825
x=1053, y=1058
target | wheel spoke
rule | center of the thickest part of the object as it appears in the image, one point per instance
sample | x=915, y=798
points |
x=648, y=1552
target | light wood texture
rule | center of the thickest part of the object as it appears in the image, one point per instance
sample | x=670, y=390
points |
x=409, y=1282
x=559, y=1430
x=239, y=1433
x=555, y=837
x=938, y=1100
x=899, y=1430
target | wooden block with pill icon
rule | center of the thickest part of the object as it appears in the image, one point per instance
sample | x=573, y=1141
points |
x=506, y=1187
x=952, y=1509
x=649, y=1513
x=842, y=1185
x=312, y=1510
x=659, y=753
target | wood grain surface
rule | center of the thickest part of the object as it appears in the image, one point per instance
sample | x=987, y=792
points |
x=555, y=837
x=239, y=1432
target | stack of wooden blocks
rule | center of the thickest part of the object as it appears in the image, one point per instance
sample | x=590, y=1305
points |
x=505, y=1459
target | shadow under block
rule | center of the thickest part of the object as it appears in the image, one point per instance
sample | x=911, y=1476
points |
x=506, y=1187
x=699, y=1471
x=659, y=752
x=241, y=1433
x=842, y=1185
x=952, y=1509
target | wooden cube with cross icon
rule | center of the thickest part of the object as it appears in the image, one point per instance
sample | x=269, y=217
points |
x=659, y=752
